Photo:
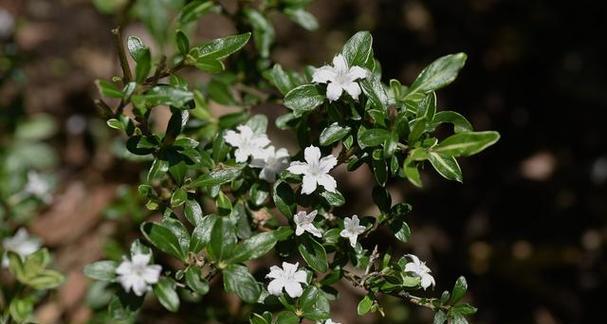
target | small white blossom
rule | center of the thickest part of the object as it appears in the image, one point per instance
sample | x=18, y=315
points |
x=271, y=162
x=352, y=229
x=288, y=278
x=137, y=274
x=38, y=187
x=340, y=78
x=421, y=270
x=246, y=142
x=7, y=24
x=21, y=243
x=304, y=223
x=330, y=321
x=315, y=170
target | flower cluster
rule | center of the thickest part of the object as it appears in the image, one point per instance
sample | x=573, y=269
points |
x=249, y=144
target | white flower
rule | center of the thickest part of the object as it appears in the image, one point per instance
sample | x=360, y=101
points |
x=304, y=223
x=288, y=278
x=137, y=274
x=352, y=229
x=7, y=23
x=37, y=186
x=340, y=77
x=330, y=321
x=271, y=162
x=246, y=142
x=21, y=243
x=315, y=170
x=421, y=270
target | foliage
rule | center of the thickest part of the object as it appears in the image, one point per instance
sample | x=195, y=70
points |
x=219, y=211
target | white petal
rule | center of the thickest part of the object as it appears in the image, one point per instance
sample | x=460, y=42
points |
x=275, y=287
x=267, y=175
x=340, y=64
x=151, y=274
x=356, y=72
x=333, y=91
x=245, y=131
x=141, y=259
x=310, y=228
x=275, y=272
x=308, y=184
x=260, y=140
x=328, y=182
x=324, y=74
x=414, y=258
x=327, y=163
x=290, y=267
x=297, y=167
x=241, y=155
x=353, y=89
x=257, y=163
x=299, y=230
x=300, y=276
x=126, y=282
x=232, y=138
x=427, y=281
x=282, y=153
x=353, y=240
x=312, y=154
x=124, y=268
x=412, y=267
x=139, y=287
x=293, y=288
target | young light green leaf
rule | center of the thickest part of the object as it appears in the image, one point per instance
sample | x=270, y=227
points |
x=446, y=166
x=302, y=17
x=467, y=143
x=364, y=306
x=101, y=270
x=194, y=10
x=439, y=73
x=459, y=122
x=108, y=89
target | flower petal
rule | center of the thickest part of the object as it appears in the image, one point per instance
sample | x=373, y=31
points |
x=333, y=91
x=328, y=182
x=340, y=64
x=275, y=272
x=241, y=155
x=293, y=288
x=327, y=163
x=356, y=72
x=297, y=167
x=312, y=154
x=324, y=74
x=275, y=287
x=308, y=184
x=300, y=276
x=151, y=274
x=353, y=89
x=232, y=138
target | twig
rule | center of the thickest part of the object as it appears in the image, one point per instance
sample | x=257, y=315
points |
x=124, y=62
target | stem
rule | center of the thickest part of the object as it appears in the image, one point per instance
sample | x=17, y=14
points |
x=124, y=62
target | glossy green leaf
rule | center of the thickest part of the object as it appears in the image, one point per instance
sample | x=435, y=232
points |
x=222, y=240
x=238, y=280
x=459, y=290
x=164, y=290
x=183, y=43
x=21, y=309
x=466, y=143
x=217, y=177
x=194, y=280
x=439, y=73
x=314, y=254
x=333, y=133
x=193, y=212
x=446, y=166
x=202, y=233
x=194, y=10
x=108, y=89
x=207, y=57
x=372, y=137
x=314, y=304
x=47, y=279
x=364, y=305
x=304, y=98
x=101, y=270
x=302, y=17
x=263, y=31
x=284, y=198
x=358, y=48
x=163, y=238
x=254, y=247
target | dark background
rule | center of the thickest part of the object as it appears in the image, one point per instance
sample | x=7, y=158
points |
x=527, y=226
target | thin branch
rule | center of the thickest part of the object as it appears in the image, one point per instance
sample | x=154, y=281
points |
x=124, y=62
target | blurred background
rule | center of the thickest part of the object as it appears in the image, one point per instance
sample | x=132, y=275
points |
x=527, y=227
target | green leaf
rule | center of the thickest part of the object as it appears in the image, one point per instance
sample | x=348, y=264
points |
x=304, y=98
x=179, y=230
x=467, y=143
x=284, y=198
x=374, y=90
x=446, y=166
x=314, y=304
x=163, y=95
x=439, y=73
x=254, y=247
x=36, y=262
x=164, y=290
x=223, y=240
x=21, y=309
x=162, y=237
x=263, y=31
x=333, y=133
x=459, y=122
x=217, y=177
x=207, y=57
x=334, y=199
x=47, y=279
x=440, y=317
x=136, y=48
x=183, y=43
x=142, y=56
x=238, y=280
x=302, y=17
x=194, y=280
x=314, y=254
x=194, y=10
x=108, y=89
x=280, y=79
x=364, y=306
x=202, y=233
x=358, y=48
x=372, y=137
x=101, y=270
x=459, y=290
x=287, y=317
x=193, y=212
x=258, y=123
x=179, y=197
